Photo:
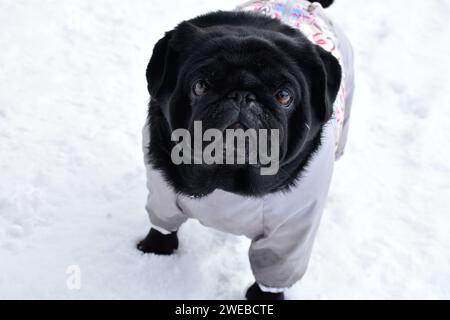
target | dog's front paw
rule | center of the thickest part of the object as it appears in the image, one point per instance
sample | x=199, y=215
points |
x=158, y=243
x=255, y=293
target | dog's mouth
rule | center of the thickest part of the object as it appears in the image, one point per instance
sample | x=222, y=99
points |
x=240, y=154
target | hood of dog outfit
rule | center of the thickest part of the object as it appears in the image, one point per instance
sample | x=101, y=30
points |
x=282, y=224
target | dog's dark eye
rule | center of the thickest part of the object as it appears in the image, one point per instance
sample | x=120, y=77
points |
x=284, y=98
x=200, y=88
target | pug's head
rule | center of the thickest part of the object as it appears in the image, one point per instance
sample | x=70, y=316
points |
x=239, y=70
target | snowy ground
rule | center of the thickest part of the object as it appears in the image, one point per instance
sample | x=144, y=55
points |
x=73, y=100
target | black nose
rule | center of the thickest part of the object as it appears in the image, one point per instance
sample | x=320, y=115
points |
x=241, y=96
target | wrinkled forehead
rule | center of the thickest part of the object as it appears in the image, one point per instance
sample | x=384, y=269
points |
x=229, y=56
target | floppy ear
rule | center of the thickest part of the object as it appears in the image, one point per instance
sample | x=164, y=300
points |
x=325, y=84
x=159, y=69
x=163, y=66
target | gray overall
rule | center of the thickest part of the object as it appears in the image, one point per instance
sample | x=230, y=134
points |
x=283, y=225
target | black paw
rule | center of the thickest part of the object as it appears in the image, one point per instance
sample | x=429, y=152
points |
x=158, y=243
x=255, y=293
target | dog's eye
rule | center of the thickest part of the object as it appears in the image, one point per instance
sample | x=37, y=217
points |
x=284, y=98
x=200, y=88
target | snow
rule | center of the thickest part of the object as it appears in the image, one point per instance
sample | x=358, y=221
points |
x=72, y=104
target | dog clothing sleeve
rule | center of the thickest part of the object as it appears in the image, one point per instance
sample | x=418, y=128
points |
x=279, y=256
x=162, y=209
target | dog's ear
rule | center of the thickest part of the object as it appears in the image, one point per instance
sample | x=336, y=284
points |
x=326, y=81
x=163, y=66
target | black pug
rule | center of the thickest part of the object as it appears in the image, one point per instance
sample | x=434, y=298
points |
x=276, y=65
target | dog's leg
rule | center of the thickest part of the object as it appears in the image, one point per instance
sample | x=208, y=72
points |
x=161, y=207
x=158, y=243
